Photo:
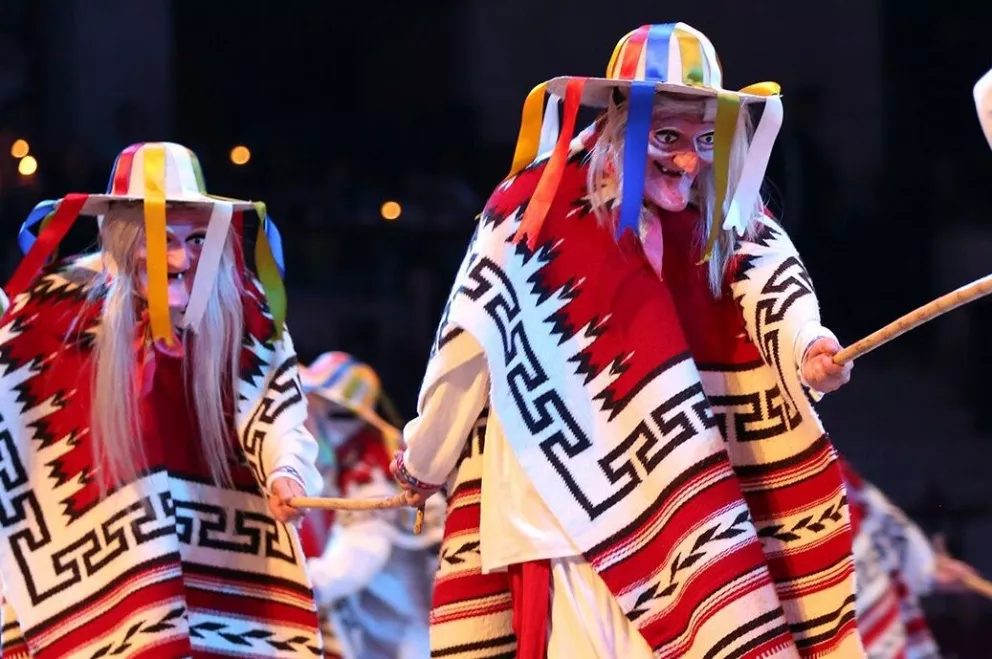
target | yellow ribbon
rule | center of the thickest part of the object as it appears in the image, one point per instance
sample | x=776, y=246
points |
x=691, y=54
x=156, y=244
x=349, y=389
x=728, y=107
x=529, y=139
x=763, y=89
x=268, y=273
x=616, y=54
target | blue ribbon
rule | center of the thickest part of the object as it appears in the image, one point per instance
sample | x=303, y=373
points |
x=635, y=155
x=337, y=374
x=275, y=244
x=25, y=239
x=656, y=52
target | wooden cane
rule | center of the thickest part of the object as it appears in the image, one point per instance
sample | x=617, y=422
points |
x=973, y=291
x=979, y=585
x=332, y=503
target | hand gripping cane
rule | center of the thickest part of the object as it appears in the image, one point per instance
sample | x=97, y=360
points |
x=331, y=503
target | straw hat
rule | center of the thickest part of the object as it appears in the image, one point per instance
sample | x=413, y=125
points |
x=671, y=58
x=339, y=378
x=158, y=175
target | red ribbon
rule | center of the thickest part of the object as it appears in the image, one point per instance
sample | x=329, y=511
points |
x=48, y=240
x=547, y=187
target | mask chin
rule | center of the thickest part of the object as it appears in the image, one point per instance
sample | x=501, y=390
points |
x=671, y=192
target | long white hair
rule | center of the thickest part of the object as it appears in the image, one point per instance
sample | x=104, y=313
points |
x=210, y=362
x=605, y=176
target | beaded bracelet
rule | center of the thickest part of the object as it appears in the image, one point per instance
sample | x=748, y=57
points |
x=287, y=472
x=408, y=478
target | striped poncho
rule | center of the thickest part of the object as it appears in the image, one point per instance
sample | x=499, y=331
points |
x=168, y=565
x=668, y=432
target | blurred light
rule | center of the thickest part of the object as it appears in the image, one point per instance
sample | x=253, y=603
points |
x=20, y=148
x=28, y=166
x=240, y=155
x=390, y=211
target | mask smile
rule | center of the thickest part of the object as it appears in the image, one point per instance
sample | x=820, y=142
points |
x=679, y=150
x=668, y=172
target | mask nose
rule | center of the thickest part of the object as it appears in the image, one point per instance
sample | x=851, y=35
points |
x=688, y=162
x=177, y=259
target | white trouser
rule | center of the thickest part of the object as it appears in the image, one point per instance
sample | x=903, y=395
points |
x=586, y=621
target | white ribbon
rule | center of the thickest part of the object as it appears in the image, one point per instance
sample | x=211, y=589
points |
x=755, y=164
x=549, y=126
x=209, y=263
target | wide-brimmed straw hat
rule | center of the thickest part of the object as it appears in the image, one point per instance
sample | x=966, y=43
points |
x=159, y=175
x=671, y=58
x=339, y=378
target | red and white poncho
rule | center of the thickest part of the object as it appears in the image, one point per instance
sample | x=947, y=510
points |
x=169, y=565
x=667, y=432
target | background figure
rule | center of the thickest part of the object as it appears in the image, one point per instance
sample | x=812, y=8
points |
x=896, y=565
x=372, y=576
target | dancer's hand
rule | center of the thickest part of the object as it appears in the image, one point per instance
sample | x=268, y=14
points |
x=283, y=490
x=415, y=498
x=819, y=369
x=950, y=575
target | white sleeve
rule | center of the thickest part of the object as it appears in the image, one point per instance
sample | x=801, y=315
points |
x=291, y=451
x=778, y=301
x=810, y=332
x=296, y=460
x=447, y=414
x=983, y=103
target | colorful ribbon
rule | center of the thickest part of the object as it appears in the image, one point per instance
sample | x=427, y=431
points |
x=657, y=51
x=209, y=264
x=268, y=273
x=550, y=126
x=635, y=155
x=728, y=106
x=275, y=244
x=271, y=232
x=41, y=212
x=50, y=236
x=156, y=245
x=691, y=56
x=547, y=187
x=528, y=141
x=753, y=170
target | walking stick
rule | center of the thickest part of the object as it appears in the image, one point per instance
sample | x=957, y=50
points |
x=979, y=585
x=960, y=297
x=332, y=503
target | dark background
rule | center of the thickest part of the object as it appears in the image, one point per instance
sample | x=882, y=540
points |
x=881, y=176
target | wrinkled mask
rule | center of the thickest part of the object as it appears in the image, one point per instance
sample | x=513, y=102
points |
x=680, y=148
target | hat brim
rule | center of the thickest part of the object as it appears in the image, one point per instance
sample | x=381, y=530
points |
x=596, y=91
x=366, y=414
x=100, y=204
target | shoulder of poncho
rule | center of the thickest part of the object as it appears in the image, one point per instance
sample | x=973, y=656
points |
x=522, y=184
x=63, y=287
x=75, y=272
